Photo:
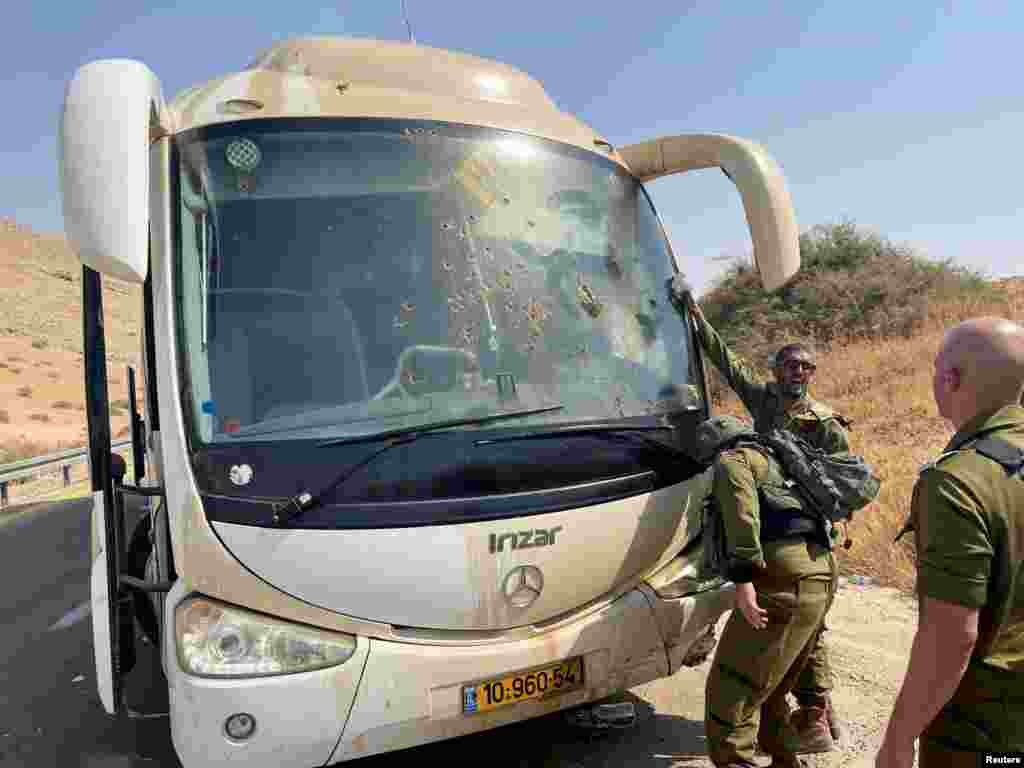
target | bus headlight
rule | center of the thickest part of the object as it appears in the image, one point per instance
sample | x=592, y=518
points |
x=219, y=640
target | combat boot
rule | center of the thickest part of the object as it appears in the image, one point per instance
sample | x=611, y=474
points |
x=773, y=733
x=808, y=732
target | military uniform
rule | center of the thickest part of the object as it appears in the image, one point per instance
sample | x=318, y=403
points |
x=815, y=422
x=819, y=425
x=795, y=582
x=967, y=514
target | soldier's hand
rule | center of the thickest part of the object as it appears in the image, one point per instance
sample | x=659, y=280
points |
x=692, y=306
x=678, y=289
x=746, y=601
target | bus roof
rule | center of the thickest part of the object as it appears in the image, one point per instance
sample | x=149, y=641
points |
x=325, y=76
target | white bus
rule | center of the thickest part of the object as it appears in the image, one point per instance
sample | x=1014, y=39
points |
x=416, y=434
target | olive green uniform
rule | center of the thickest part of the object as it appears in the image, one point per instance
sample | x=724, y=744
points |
x=967, y=513
x=818, y=425
x=795, y=583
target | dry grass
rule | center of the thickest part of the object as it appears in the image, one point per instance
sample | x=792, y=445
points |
x=884, y=387
x=24, y=448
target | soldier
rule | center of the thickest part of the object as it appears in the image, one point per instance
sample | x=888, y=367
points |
x=963, y=693
x=785, y=404
x=785, y=582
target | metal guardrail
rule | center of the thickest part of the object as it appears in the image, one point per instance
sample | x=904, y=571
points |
x=63, y=460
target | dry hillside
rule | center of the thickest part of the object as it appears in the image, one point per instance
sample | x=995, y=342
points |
x=41, y=375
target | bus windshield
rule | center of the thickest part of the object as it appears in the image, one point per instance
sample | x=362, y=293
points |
x=342, y=278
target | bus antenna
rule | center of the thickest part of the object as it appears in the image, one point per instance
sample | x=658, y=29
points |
x=408, y=26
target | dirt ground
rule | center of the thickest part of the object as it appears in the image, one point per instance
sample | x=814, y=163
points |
x=870, y=633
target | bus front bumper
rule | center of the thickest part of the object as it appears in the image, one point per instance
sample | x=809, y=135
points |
x=393, y=695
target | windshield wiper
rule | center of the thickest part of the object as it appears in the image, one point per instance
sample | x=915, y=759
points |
x=614, y=431
x=435, y=425
x=303, y=502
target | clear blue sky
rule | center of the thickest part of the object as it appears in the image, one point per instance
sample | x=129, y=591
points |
x=905, y=117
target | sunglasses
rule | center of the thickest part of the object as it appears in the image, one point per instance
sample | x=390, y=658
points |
x=793, y=365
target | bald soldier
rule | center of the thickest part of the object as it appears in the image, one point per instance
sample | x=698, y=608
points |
x=963, y=693
x=785, y=404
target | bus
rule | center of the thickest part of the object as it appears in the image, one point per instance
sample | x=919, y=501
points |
x=415, y=446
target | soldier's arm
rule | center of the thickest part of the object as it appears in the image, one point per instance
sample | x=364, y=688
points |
x=954, y=549
x=939, y=656
x=735, y=490
x=736, y=371
x=834, y=438
x=953, y=571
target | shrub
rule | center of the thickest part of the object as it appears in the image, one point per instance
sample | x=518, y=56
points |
x=852, y=284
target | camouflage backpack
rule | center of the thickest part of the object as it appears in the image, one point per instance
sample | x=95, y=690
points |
x=836, y=485
x=832, y=485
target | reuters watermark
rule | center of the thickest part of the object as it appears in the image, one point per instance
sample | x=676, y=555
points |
x=1001, y=758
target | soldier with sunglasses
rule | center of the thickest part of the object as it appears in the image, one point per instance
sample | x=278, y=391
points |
x=785, y=404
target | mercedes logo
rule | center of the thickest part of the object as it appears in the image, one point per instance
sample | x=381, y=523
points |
x=522, y=585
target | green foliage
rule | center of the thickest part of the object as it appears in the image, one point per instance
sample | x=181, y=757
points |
x=852, y=284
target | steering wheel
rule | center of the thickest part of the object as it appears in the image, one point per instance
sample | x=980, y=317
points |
x=395, y=385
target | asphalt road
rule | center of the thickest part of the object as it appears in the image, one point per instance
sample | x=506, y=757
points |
x=50, y=714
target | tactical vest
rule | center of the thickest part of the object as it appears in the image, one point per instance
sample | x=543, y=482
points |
x=783, y=512
x=769, y=415
x=1008, y=456
x=986, y=712
x=1011, y=459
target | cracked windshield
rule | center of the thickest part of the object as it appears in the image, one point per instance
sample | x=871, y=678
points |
x=352, y=278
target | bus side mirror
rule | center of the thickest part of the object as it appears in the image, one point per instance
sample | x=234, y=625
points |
x=112, y=109
x=766, y=200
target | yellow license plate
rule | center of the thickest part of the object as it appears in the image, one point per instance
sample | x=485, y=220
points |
x=552, y=680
